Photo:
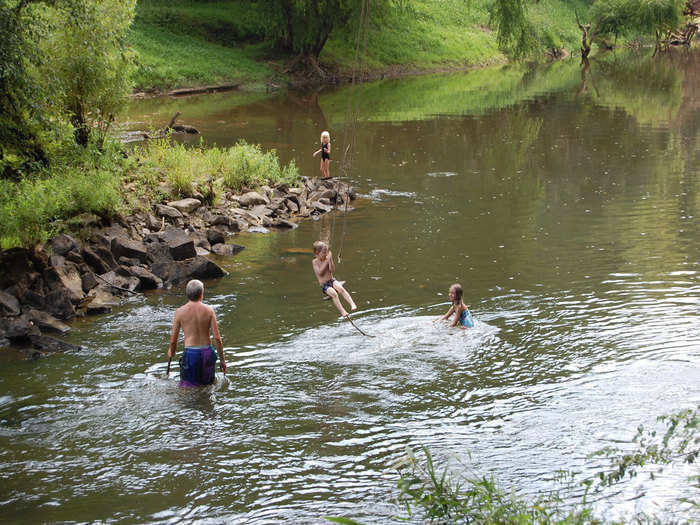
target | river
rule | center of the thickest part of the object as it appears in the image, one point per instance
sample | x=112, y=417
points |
x=564, y=202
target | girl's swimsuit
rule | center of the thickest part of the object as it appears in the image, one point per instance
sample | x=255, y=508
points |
x=465, y=319
x=324, y=151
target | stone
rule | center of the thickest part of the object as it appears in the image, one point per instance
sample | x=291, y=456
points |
x=287, y=224
x=119, y=280
x=215, y=236
x=252, y=198
x=123, y=247
x=62, y=244
x=198, y=267
x=258, y=229
x=58, y=304
x=101, y=301
x=153, y=223
x=185, y=206
x=148, y=280
x=74, y=257
x=223, y=220
x=181, y=247
x=321, y=207
x=226, y=249
x=89, y=281
x=9, y=305
x=47, y=322
x=167, y=211
x=33, y=299
x=71, y=281
x=201, y=251
x=95, y=261
x=128, y=261
x=18, y=328
x=292, y=206
x=261, y=210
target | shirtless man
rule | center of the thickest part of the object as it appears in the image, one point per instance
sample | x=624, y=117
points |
x=324, y=268
x=197, y=320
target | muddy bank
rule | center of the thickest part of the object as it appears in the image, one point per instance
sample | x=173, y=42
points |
x=89, y=271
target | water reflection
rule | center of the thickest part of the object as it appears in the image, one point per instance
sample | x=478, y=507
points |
x=568, y=216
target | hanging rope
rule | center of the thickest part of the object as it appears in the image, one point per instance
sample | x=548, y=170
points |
x=352, y=114
x=356, y=327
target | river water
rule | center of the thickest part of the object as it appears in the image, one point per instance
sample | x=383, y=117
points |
x=564, y=202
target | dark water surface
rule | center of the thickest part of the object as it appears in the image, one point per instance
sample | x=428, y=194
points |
x=568, y=211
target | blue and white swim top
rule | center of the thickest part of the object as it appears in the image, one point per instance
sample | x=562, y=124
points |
x=465, y=319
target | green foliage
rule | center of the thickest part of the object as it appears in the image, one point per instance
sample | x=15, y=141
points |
x=637, y=17
x=33, y=209
x=90, y=62
x=205, y=171
x=516, y=34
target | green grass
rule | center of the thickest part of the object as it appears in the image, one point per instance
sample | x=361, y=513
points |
x=39, y=206
x=185, y=42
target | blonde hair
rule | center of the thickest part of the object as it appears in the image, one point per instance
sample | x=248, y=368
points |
x=319, y=245
x=325, y=134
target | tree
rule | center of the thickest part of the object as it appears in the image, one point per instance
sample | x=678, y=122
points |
x=302, y=27
x=91, y=63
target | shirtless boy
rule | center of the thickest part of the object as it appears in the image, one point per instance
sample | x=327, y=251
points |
x=324, y=268
x=197, y=321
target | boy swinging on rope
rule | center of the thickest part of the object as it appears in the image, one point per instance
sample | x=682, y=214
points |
x=324, y=268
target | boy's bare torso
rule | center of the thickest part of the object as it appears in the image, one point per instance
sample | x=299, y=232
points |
x=322, y=270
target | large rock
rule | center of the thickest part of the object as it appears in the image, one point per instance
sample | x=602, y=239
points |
x=226, y=249
x=68, y=280
x=33, y=299
x=9, y=305
x=185, y=205
x=198, y=267
x=167, y=211
x=261, y=210
x=147, y=279
x=101, y=301
x=215, y=236
x=17, y=328
x=58, y=304
x=62, y=244
x=119, y=281
x=123, y=247
x=99, y=258
x=319, y=206
x=252, y=198
x=180, y=245
x=47, y=322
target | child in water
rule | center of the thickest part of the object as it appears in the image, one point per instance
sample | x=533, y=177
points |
x=325, y=152
x=324, y=268
x=463, y=317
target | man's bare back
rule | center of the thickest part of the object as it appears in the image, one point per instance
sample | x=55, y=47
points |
x=195, y=319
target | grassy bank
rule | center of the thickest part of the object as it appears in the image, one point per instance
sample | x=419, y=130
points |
x=186, y=43
x=35, y=208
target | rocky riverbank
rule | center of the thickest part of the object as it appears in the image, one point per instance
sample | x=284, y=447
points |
x=89, y=271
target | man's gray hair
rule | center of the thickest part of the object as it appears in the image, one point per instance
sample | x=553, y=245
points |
x=194, y=290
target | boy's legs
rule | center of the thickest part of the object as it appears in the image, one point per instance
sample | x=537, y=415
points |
x=338, y=285
x=336, y=301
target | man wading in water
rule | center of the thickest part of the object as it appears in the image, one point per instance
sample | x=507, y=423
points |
x=197, y=364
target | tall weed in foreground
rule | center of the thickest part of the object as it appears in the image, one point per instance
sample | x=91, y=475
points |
x=33, y=209
x=192, y=170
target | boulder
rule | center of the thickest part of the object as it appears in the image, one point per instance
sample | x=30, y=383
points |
x=185, y=206
x=215, y=236
x=261, y=210
x=9, y=305
x=252, y=198
x=119, y=279
x=321, y=207
x=153, y=223
x=292, y=206
x=167, y=211
x=47, y=322
x=147, y=279
x=33, y=299
x=101, y=301
x=226, y=249
x=17, y=329
x=198, y=267
x=128, y=261
x=74, y=257
x=58, y=304
x=62, y=244
x=223, y=220
x=71, y=281
x=123, y=247
x=89, y=281
x=181, y=247
x=94, y=260
x=287, y=224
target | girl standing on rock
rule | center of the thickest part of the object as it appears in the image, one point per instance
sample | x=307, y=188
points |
x=325, y=152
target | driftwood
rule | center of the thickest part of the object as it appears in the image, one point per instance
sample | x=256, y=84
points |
x=137, y=136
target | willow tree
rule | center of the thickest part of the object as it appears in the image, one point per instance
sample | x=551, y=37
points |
x=302, y=27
